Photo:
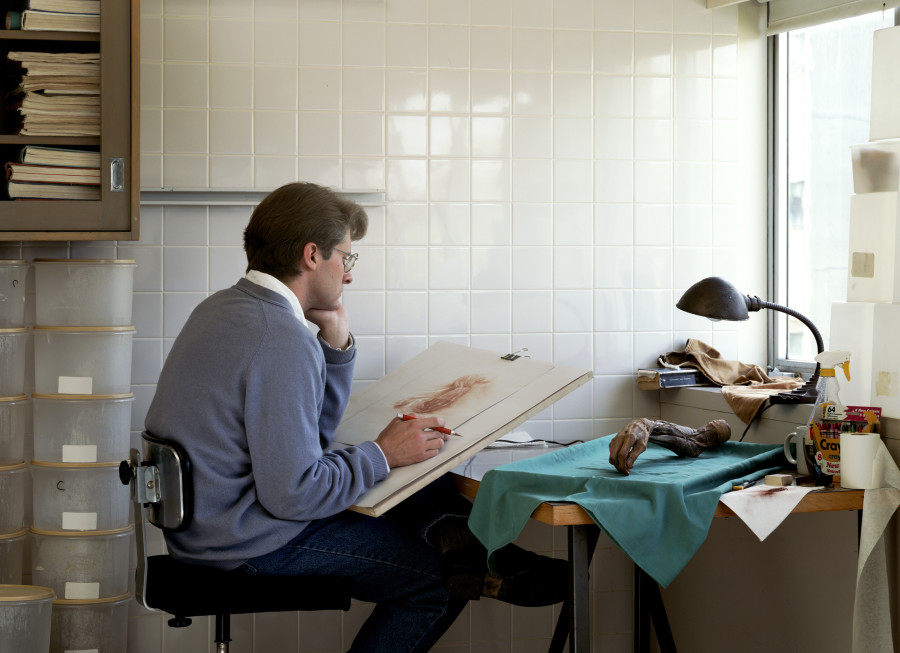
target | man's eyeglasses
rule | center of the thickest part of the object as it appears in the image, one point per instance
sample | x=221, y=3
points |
x=349, y=259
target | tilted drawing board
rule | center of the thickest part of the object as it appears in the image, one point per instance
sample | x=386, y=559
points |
x=480, y=394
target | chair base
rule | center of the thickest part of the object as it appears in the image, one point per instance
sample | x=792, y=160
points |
x=223, y=632
x=223, y=629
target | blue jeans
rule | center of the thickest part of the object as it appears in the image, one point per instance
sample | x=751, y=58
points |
x=391, y=563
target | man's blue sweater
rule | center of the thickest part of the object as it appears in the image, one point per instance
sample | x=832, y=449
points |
x=254, y=398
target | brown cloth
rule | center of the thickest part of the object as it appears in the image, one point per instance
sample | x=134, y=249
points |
x=746, y=400
x=745, y=387
x=701, y=356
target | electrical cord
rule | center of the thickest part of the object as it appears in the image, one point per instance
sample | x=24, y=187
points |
x=766, y=406
x=530, y=443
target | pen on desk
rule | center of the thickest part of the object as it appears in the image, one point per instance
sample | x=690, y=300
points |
x=743, y=486
x=439, y=429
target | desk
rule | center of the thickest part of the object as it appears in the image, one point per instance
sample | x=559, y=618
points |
x=575, y=618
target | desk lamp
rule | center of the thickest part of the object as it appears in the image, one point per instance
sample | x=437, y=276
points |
x=716, y=299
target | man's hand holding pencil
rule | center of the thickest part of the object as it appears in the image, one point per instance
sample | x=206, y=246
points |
x=412, y=439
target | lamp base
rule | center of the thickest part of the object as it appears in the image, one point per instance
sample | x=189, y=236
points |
x=805, y=394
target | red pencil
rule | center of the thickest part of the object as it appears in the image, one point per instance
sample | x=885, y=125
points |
x=439, y=429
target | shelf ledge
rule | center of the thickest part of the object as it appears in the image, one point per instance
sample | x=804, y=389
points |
x=237, y=197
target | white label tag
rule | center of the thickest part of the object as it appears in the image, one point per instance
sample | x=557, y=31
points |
x=79, y=521
x=79, y=453
x=82, y=590
x=833, y=411
x=75, y=385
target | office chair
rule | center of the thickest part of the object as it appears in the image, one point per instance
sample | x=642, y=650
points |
x=161, y=488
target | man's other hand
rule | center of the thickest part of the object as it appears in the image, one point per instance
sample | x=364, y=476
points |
x=334, y=325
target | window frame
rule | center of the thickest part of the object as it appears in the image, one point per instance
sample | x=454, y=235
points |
x=777, y=159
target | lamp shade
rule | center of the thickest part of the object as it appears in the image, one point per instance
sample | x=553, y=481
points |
x=716, y=299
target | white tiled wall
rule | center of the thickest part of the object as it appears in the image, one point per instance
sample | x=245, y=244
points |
x=555, y=174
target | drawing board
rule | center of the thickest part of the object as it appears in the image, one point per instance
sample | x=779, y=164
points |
x=478, y=393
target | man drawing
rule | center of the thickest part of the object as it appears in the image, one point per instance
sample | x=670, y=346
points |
x=253, y=389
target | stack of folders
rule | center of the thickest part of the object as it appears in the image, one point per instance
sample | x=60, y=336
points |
x=56, y=16
x=58, y=93
x=54, y=173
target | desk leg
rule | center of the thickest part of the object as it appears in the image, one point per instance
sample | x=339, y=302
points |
x=579, y=589
x=576, y=611
x=648, y=604
x=641, y=617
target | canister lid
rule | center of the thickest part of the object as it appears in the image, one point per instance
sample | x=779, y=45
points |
x=45, y=463
x=124, y=395
x=83, y=329
x=13, y=261
x=12, y=468
x=14, y=398
x=108, y=261
x=25, y=593
x=112, y=531
x=108, y=601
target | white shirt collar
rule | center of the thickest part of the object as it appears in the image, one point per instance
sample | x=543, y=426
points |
x=273, y=284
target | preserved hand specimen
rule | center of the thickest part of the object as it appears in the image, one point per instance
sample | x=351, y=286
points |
x=631, y=441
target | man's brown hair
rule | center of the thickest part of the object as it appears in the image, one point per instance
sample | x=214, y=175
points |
x=292, y=216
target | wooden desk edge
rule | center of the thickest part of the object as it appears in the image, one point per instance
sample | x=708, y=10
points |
x=563, y=513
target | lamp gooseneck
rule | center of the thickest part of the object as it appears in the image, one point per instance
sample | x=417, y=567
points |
x=808, y=392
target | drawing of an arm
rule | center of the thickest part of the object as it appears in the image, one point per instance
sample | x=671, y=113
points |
x=442, y=398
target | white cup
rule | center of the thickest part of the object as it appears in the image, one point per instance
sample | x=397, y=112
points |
x=858, y=468
x=798, y=459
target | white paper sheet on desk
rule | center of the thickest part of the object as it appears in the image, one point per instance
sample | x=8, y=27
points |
x=764, y=507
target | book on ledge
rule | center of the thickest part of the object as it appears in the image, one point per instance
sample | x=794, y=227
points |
x=61, y=124
x=52, y=174
x=22, y=190
x=36, y=103
x=665, y=377
x=63, y=6
x=59, y=156
x=52, y=21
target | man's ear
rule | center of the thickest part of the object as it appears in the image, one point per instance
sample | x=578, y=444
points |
x=312, y=255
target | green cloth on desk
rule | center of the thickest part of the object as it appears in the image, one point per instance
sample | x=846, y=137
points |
x=658, y=515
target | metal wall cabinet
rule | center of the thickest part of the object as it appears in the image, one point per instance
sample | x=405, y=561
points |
x=116, y=215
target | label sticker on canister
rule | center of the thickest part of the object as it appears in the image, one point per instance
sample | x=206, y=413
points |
x=79, y=453
x=75, y=385
x=79, y=521
x=82, y=590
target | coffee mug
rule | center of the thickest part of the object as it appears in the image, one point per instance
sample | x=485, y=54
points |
x=798, y=458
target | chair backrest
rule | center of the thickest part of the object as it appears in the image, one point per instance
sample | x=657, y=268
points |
x=169, y=470
x=161, y=488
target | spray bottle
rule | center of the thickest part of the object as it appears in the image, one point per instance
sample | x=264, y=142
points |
x=830, y=407
x=823, y=447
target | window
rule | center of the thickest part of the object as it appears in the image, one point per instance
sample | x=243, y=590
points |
x=822, y=89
